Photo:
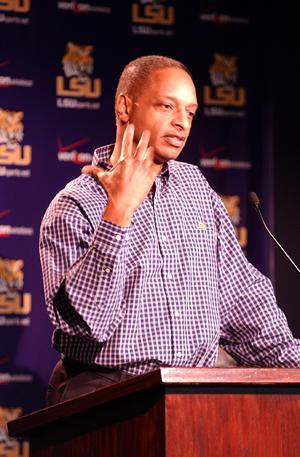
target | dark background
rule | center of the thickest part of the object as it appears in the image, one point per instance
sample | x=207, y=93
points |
x=285, y=76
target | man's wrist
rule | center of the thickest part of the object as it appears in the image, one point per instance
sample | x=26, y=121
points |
x=118, y=216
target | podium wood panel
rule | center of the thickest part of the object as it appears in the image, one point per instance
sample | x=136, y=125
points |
x=200, y=412
x=233, y=425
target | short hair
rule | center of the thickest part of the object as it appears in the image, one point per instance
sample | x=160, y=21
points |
x=138, y=71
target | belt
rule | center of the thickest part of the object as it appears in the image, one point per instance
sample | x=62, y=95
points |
x=74, y=367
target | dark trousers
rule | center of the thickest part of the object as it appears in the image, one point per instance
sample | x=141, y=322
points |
x=70, y=379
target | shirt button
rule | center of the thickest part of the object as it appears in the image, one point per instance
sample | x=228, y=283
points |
x=179, y=354
x=170, y=276
x=126, y=237
x=176, y=313
x=107, y=270
x=118, y=237
x=164, y=238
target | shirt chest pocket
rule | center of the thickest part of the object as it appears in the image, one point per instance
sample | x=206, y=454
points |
x=200, y=239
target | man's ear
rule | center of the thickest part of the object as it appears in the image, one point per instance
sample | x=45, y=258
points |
x=123, y=108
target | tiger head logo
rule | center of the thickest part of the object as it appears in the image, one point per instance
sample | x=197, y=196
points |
x=78, y=61
x=11, y=277
x=11, y=128
x=6, y=415
x=232, y=205
x=224, y=72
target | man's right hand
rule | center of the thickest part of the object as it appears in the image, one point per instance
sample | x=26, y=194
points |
x=129, y=181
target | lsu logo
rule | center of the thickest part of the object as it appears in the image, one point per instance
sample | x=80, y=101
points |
x=152, y=12
x=232, y=205
x=78, y=66
x=16, y=6
x=223, y=71
x=12, y=301
x=78, y=61
x=10, y=447
x=11, y=135
x=224, y=77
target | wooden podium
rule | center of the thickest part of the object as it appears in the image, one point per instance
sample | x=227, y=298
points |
x=197, y=412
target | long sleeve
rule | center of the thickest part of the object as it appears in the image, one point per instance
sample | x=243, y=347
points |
x=83, y=261
x=253, y=328
x=166, y=290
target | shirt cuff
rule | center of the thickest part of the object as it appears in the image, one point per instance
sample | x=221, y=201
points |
x=110, y=237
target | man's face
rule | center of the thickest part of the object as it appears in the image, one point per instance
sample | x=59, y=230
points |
x=166, y=108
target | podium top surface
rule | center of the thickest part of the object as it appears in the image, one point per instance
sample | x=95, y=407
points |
x=164, y=377
x=222, y=376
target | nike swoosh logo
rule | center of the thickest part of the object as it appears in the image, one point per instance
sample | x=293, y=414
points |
x=4, y=63
x=212, y=153
x=4, y=360
x=69, y=147
x=5, y=212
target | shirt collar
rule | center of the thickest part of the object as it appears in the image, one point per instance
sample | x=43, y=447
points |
x=101, y=156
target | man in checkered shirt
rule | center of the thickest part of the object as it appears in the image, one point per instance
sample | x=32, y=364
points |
x=140, y=261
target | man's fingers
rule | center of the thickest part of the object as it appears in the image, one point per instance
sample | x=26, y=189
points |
x=149, y=154
x=127, y=142
x=141, y=149
x=96, y=172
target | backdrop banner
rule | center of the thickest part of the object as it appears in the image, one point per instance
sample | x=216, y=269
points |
x=59, y=66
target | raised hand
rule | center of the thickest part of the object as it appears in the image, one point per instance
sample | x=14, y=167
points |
x=128, y=183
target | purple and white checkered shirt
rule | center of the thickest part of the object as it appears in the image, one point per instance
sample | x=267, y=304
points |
x=165, y=291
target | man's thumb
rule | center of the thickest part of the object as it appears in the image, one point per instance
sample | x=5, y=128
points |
x=95, y=172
